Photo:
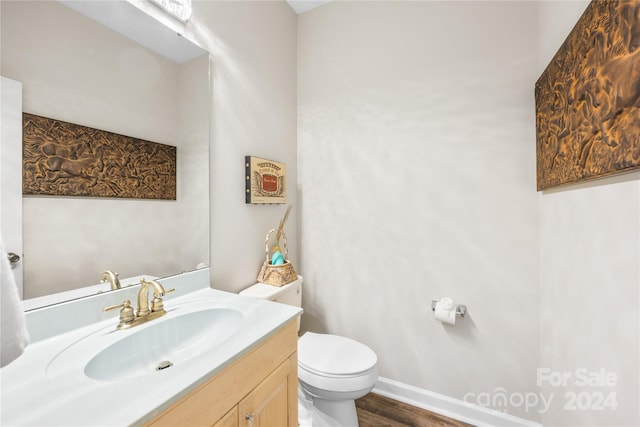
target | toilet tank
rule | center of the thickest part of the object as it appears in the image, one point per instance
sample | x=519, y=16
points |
x=290, y=293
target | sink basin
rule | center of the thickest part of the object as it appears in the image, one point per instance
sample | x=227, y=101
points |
x=160, y=345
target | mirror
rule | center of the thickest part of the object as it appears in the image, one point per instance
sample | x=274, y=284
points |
x=75, y=69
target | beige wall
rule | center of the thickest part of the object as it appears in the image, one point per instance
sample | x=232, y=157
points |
x=253, y=49
x=74, y=70
x=589, y=280
x=416, y=145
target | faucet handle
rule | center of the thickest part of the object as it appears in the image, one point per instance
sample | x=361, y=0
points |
x=126, y=314
x=157, y=304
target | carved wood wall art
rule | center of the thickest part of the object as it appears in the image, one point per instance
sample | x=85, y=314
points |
x=65, y=159
x=588, y=98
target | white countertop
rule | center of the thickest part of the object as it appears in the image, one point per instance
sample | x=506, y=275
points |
x=30, y=395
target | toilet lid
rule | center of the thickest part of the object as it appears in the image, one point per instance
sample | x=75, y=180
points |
x=334, y=355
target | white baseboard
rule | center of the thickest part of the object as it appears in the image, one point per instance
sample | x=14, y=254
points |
x=448, y=406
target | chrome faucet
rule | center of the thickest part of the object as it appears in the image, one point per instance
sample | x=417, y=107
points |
x=144, y=313
x=112, y=278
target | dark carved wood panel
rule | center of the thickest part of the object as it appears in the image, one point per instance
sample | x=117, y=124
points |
x=65, y=159
x=588, y=98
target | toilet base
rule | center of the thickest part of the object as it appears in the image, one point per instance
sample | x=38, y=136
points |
x=317, y=412
x=334, y=413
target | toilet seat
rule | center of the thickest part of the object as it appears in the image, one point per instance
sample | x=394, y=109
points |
x=334, y=355
x=335, y=363
x=342, y=383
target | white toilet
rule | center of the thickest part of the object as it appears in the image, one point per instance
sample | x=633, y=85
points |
x=333, y=371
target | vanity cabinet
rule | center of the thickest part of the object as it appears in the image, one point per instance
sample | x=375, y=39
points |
x=258, y=389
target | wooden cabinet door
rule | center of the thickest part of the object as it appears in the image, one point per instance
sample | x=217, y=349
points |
x=268, y=404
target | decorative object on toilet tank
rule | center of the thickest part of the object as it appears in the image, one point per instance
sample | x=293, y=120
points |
x=265, y=181
x=276, y=274
x=276, y=255
x=66, y=159
x=276, y=269
x=588, y=98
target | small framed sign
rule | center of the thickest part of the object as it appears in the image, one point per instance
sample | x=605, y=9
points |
x=265, y=181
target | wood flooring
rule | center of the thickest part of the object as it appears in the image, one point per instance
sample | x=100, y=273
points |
x=379, y=411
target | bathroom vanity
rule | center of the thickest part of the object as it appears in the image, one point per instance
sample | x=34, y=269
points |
x=260, y=388
x=214, y=358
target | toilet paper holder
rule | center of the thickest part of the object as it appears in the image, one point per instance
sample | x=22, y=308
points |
x=461, y=310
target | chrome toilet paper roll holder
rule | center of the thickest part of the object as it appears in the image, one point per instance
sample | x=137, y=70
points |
x=461, y=310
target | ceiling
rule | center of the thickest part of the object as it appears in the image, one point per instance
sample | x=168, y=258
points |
x=127, y=19
x=300, y=6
